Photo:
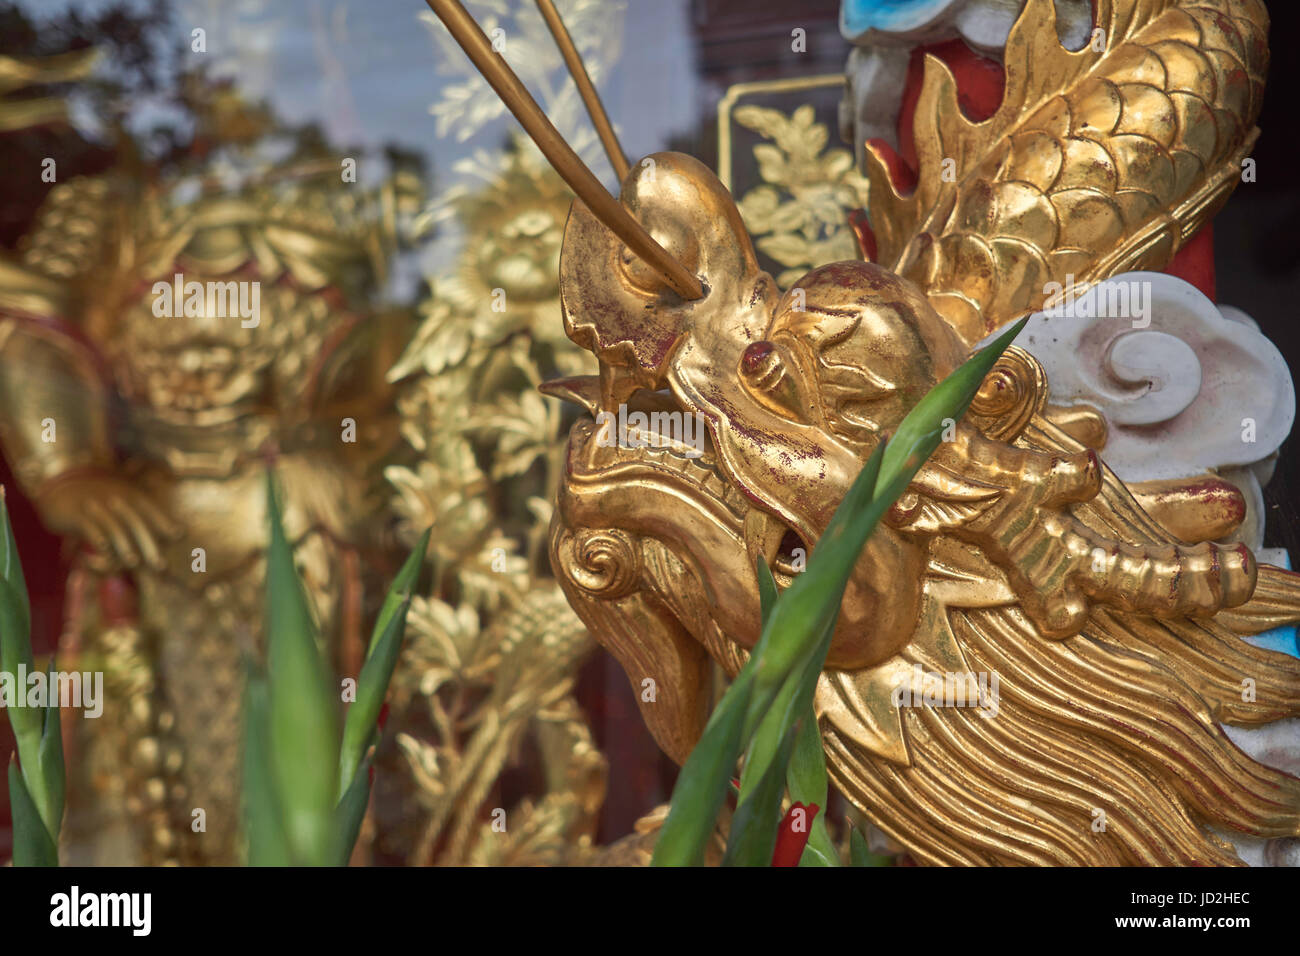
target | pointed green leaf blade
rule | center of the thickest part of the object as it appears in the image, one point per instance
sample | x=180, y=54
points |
x=810, y=605
x=755, y=823
x=401, y=589
x=263, y=821
x=52, y=771
x=702, y=785
x=795, y=624
x=33, y=845
x=372, y=687
x=16, y=659
x=920, y=432
x=808, y=784
x=780, y=720
x=352, y=809
x=11, y=568
x=762, y=781
x=303, y=710
x=16, y=654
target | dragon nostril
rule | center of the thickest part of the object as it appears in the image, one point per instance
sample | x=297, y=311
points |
x=753, y=362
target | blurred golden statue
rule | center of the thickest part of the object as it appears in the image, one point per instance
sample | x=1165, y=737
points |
x=161, y=346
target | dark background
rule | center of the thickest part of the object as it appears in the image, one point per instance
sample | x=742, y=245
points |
x=1257, y=248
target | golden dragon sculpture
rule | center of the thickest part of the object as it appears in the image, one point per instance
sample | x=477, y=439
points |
x=1016, y=552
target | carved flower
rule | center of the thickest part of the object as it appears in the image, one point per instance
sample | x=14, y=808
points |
x=445, y=491
x=445, y=643
x=800, y=216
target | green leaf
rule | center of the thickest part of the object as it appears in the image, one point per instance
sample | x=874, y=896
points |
x=16, y=651
x=702, y=785
x=755, y=824
x=860, y=854
x=263, y=821
x=372, y=687
x=16, y=655
x=815, y=596
x=352, y=809
x=36, y=733
x=766, y=763
x=807, y=782
x=381, y=659
x=919, y=433
x=399, y=592
x=811, y=604
x=303, y=709
x=11, y=568
x=52, y=771
x=780, y=720
x=820, y=848
x=33, y=845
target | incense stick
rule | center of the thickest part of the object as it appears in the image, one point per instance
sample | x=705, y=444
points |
x=578, y=70
x=560, y=155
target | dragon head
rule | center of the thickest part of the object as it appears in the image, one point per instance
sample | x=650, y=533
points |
x=1014, y=552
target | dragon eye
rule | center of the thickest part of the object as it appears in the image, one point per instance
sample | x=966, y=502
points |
x=769, y=377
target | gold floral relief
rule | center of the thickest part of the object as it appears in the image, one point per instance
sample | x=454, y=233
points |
x=486, y=680
x=798, y=214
